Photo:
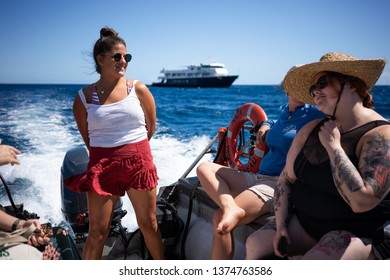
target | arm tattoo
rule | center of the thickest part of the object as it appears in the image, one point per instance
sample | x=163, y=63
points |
x=277, y=195
x=376, y=164
x=344, y=172
x=374, y=168
x=280, y=192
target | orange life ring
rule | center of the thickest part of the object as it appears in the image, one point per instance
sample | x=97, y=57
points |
x=249, y=112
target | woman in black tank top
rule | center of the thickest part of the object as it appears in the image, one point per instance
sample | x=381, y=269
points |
x=332, y=200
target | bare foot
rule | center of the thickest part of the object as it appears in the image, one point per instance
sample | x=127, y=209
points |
x=230, y=219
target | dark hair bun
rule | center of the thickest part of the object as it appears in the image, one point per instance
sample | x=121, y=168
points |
x=108, y=32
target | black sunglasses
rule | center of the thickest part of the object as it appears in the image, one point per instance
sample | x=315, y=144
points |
x=322, y=83
x=118, y=57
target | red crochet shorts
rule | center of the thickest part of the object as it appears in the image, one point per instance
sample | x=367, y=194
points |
x=113, y=171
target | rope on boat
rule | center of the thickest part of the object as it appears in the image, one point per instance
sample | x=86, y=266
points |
x=17, y=210
x=192, y=195
x=187, y=225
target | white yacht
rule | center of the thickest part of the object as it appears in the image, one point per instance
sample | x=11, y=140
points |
x=203, y=75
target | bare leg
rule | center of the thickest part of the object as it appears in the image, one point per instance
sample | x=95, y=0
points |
x=100, y=210
x=144, y=203
x=259, y=245
x=223, y=245
x=229, y=189
x=340, y=245
x=222, y=184
x=253, y=206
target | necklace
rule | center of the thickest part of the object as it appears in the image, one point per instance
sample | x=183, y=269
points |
x=101, y=92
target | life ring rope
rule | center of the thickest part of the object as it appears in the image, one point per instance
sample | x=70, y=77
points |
x=249, y=112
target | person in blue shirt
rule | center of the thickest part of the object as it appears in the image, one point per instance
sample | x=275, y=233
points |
x=245, y=196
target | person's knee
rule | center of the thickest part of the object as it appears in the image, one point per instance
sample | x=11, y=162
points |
x=337, y=235
x=148, y=225
x=205, y=168
x=98, y=232
x=202, y=169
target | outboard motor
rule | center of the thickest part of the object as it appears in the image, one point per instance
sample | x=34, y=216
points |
x=74, y=205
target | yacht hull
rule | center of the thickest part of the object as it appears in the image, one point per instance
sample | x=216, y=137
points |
x=206, y=82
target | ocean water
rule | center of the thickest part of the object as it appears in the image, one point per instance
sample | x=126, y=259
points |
x=38, y=120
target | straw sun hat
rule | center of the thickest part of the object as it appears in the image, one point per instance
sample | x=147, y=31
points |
x=298, y=80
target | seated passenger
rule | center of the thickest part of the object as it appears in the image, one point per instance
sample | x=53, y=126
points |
x=52, y=243
x=244, y=196
x=332, y=199
x=8, y=223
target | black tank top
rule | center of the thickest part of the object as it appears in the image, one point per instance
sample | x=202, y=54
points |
x=318, y=205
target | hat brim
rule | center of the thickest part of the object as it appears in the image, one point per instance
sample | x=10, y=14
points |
x=298, y=81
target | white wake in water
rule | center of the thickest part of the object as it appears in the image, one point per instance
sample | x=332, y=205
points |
x=43, y=168
x=46, y=130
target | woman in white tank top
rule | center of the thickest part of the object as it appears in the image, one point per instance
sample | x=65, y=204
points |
x=116, y=118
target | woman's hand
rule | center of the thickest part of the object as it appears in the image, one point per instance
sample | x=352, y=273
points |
x=8, y=154
x=281, y=242
x=260, y=135
x=40, y=236
x=330, y=135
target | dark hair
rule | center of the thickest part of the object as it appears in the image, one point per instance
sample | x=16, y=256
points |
x=360, y=85
x=108, y=38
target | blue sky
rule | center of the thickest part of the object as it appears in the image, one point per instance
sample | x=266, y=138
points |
x=51, y=41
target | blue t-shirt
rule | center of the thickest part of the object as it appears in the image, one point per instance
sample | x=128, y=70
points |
x=281, y=135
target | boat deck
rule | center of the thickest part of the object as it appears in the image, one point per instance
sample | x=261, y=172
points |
x=198, y=239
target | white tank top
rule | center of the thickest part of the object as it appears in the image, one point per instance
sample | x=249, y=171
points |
x=115, y=124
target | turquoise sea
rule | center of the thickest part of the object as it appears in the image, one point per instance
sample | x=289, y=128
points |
x=38, y=120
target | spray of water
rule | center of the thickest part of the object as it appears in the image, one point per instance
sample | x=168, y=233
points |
x=36, y=181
